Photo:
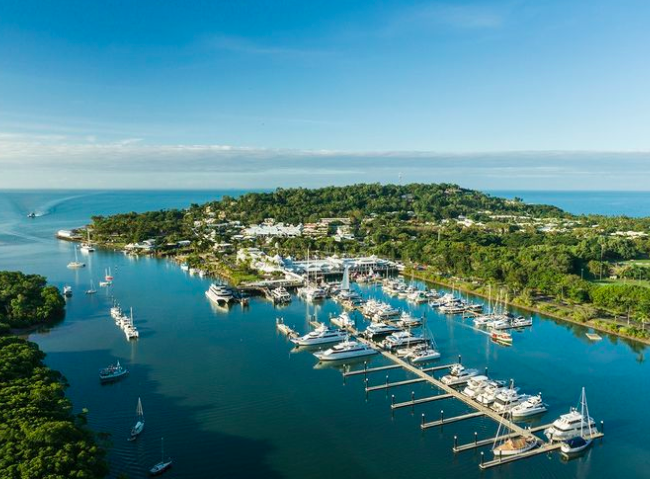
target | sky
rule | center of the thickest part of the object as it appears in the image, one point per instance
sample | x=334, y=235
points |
x=246, y=94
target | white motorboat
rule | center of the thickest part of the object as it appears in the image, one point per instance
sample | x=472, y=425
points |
x=572, y=424
x=530, y=407
x=423, y=355
x=380, y=329
x=522, y=322
x=475, y=385
x=402, y=339
x=67, y=291
x=458, y=375
x=220, y=294
x=185, y=267
x=280, y=295
x=507, y=399
x=312, y=293
x=475, y=390
x=408, y=321
x=489, y=394
x=343, y=320
x=321, y=335
x=345, y=350
x=86, y=248
x=137, y=429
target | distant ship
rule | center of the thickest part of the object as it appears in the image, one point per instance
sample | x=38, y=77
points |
x=31, y=215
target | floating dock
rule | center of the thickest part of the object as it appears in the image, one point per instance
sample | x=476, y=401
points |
x=449, y=392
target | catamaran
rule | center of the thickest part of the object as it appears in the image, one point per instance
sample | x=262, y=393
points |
x=163, y=465
x=220, y=294
x=137, y=429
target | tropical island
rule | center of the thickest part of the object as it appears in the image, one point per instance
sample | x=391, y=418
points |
x=39, y=434
x=589, y=269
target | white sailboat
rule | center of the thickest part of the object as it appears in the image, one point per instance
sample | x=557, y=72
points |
x=163, y=465
x=92, y=289
x=512, y=445
x=137, y=429
x=76, y=264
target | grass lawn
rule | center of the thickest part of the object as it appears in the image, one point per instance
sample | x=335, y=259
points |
x=638, y=282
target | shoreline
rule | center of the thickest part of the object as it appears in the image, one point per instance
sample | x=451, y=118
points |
x=532, y=309
x=213, y=268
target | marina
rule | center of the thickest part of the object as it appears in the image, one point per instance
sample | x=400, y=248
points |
x=221, y=405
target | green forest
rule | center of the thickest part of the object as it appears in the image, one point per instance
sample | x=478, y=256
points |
x=40, y=437
x=27, y=300
x=532, y=253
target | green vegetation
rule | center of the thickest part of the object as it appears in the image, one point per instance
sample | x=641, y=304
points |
x=538, y=256
x=39, y=436
x=26, y=300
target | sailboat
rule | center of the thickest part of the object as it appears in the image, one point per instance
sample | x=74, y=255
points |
x=512, y=445
x=76, y=264
x=163, y=465
x=92, y=289
x=579, y=443
x=107, y=275
x=139, y=422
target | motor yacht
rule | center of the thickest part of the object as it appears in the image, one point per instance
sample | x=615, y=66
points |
x=475, y=385
x=423, y=355
x=489, y=394
x=280, y=296
x=475, y=390
x=530, y=407
x=112, y=373
x=345, y=350
x=507, y=399
x=458, y=375
x=402, y=339
x=380, y=329
x=568, y=426
x=67, y=291
x=522, y=322
x=343, y=320
x=320, y=335
x=408, y=321
x=312, y=293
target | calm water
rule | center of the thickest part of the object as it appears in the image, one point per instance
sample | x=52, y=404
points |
x=233, y=399
x=629, y=203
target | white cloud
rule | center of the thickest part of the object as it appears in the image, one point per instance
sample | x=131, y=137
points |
x=32, y=162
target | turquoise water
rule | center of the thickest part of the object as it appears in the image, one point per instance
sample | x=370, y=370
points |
x=233, y=399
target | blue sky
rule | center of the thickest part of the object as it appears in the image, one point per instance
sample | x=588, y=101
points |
x=164, y=93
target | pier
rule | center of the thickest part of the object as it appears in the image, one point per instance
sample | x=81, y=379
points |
x=477, y=410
